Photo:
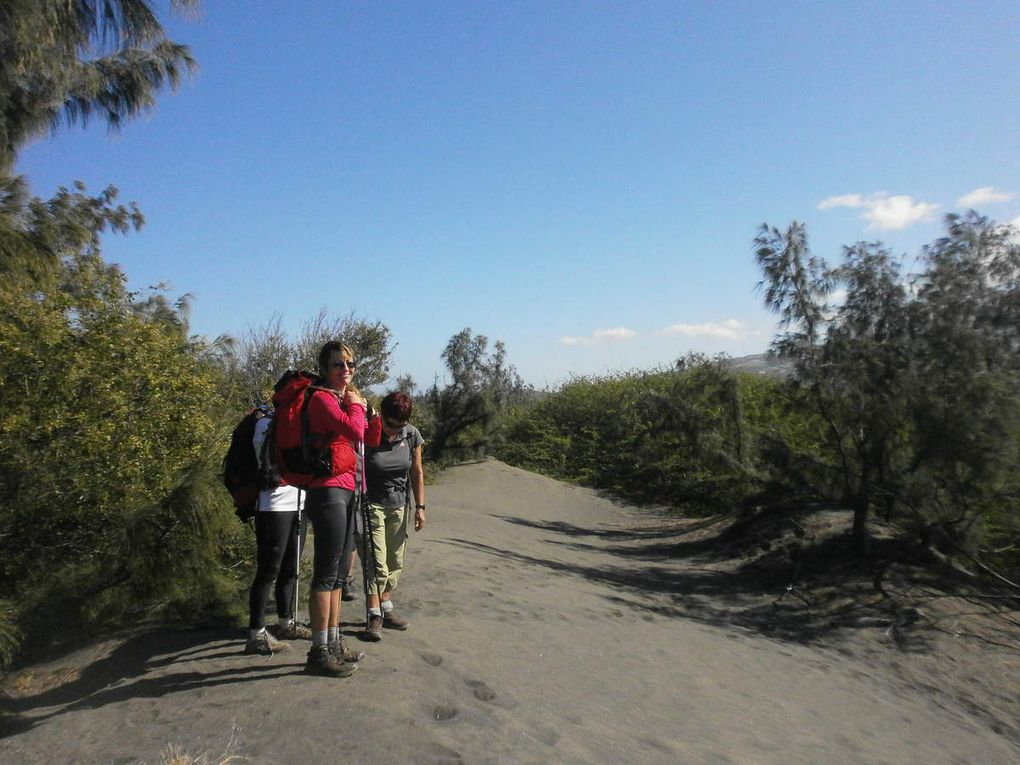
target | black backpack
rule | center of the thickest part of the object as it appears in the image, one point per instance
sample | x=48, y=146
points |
x=245, y=474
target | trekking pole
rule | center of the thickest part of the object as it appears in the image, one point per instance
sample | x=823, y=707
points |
x=407, y=512
x=297, y=561
x=368, y=572
x=368, y=546
x=362, y=509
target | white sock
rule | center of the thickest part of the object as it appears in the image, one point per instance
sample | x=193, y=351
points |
x=319, y=638
x=387, y=606
x=374, y=611
x=334, y=634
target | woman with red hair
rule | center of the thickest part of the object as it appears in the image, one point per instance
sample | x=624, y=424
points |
x=394, y=471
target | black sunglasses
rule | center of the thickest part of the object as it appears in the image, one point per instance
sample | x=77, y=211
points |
x=344, y=363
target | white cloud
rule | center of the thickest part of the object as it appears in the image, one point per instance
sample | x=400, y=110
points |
x=845, y=200
x=730, y=329
x=898, y=212
x=882, y=211
x=891, y=213
x=600, y=336
x=984, y=196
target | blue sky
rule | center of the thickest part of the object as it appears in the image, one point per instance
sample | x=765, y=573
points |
x=581, y=180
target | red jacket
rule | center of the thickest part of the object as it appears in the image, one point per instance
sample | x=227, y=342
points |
x=342, y=428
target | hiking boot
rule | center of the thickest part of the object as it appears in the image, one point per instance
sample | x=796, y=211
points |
x=374, y=629
x=322, y=662
x=294, y=631
x=264, y=644
x=347, y=591
x=343, y=652
x=392, y=621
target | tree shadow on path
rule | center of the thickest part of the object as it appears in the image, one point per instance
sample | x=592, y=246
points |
x=669, y=570
x=655, y=533
x=135, y=669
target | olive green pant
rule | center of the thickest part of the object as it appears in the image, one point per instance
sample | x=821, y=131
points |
x=389, y=539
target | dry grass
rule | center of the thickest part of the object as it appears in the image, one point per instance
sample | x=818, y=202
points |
x=33, y=682
x=174, y=754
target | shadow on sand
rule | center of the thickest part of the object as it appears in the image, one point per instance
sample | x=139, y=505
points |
x=787, y=588
x=127, y=672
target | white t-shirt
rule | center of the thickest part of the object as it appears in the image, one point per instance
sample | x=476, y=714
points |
x=284, y=498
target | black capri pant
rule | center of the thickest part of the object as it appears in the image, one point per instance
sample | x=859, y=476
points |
x=331, y=511
x=278, y=537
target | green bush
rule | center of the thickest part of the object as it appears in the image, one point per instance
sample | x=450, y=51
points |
x=110, y=441
x=689, y=437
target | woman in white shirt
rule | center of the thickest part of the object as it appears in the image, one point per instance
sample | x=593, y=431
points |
x=279, y=537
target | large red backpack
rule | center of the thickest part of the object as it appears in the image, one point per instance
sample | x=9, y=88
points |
x=300, y=455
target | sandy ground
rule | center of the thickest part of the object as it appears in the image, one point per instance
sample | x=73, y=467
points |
x=548, y=626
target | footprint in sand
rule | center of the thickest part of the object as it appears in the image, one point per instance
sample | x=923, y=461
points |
x=481, y=690
x=547, y=736
x=432, y=659
x=437, y=754
x=444, y=712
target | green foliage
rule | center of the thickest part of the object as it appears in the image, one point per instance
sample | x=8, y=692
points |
x=265, y=353
x=532, y=441
x=464, y=417
x=687, y=437
x=110, y=429
x=109, y=440
x=905, y=400
x=70, y=60
x=10, y=632
x=915, y=380
x=371, y=342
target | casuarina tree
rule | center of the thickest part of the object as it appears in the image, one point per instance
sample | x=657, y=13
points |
x=71, y=60
x=464, y=413
x=915, y=377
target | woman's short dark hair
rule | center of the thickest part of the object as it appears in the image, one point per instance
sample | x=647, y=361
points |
x=329, y=349
x=396, y=406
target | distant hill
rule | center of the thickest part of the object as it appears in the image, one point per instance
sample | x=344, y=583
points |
x=762, y=364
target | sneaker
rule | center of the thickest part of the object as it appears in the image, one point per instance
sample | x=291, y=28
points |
x=347, y=591
x=342, y=651
x=374, y=630
x=294, y=631
x=392, y=621
x=322, y=662
x=264, y=644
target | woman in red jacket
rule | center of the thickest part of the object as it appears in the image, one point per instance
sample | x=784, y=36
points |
x=336, y=418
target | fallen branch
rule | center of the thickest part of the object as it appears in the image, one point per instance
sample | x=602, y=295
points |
x=981, y=566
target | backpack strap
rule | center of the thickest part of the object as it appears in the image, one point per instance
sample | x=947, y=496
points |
x=407, y=480
x=268, y=471
x=305, y=427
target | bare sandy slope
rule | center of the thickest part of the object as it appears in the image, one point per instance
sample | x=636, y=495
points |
x=548, y=626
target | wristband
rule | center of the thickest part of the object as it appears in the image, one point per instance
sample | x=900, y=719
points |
x=419, y=507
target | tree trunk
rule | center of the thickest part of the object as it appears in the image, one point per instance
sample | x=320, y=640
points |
x=862, y=540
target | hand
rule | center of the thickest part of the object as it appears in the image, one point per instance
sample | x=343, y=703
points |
x=419, y=519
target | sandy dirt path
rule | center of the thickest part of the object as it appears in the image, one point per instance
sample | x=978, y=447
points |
x=542, y=632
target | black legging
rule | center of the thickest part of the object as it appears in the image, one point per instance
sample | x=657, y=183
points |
x=276, y=538
x=331, y=511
